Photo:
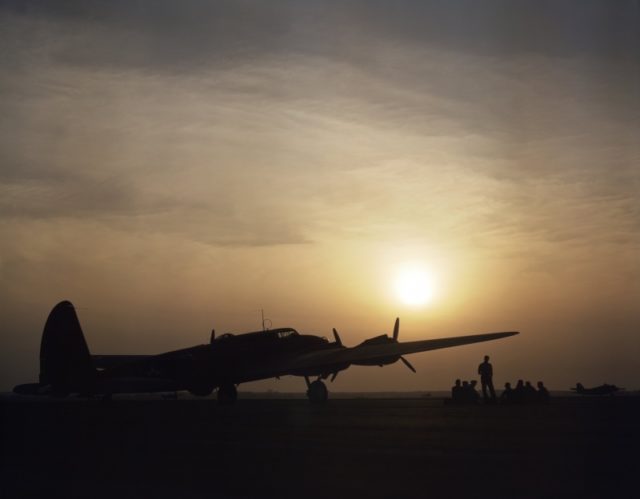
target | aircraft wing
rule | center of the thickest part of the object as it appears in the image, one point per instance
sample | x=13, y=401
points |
x=375, y=351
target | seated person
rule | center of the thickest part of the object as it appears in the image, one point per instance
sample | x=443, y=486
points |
x=506, y=397
x=456, y=391
x=543, y=393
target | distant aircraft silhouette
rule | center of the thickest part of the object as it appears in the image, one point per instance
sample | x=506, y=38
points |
x=596, y=390
x=66, y=366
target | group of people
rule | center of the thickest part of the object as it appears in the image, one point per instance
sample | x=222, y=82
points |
x=524, y=393
x=465, y=392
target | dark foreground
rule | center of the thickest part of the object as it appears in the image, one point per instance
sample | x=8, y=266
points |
x=349, y=448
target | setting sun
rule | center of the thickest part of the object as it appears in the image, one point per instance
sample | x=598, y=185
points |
x=414, y=285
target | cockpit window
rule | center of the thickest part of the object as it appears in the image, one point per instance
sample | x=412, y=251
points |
x=225, y=336
x=285, y=333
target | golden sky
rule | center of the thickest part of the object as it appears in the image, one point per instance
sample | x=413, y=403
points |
x=170, y=167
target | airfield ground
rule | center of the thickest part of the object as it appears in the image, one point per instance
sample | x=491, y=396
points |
x=350, y=448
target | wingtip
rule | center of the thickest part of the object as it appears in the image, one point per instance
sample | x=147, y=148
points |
x=506, y=334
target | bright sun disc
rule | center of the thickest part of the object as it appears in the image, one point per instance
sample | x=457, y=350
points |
x=414, y=285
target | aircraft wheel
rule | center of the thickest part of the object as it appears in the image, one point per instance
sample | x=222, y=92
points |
x=317, y=392
x=227, y=394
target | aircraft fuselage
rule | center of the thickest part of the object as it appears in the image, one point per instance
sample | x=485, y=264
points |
x=228, y=359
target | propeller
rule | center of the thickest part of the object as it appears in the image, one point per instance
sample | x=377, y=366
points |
x=408, y=364
x=378, y=340
x=338, y=342
x=337, y=337
x=396, y=332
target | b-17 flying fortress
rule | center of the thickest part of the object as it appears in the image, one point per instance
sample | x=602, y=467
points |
x=66, y=365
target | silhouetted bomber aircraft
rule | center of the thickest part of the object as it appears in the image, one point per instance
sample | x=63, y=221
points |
x=596, y=390
x=66, y=366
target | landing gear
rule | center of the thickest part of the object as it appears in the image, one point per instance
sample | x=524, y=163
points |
x=227, y=394
x=317, y=392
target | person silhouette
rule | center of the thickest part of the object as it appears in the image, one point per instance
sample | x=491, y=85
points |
x=507, y=394
x=543, y=393
x=485, y=370
x=473, y=393
x=530, y=393
x=465, y=396
x=518, y=392
x=456, y=391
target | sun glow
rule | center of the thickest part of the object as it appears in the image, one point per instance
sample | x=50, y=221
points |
x=414, y=285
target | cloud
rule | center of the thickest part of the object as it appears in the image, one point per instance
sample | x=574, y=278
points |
x=167, y=156
x=284, y=124
x=165, y=36
x=156, y=36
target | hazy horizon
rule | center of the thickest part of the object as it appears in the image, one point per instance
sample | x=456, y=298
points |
x=172, y=167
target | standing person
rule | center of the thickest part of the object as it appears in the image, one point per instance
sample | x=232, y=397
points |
x=485, y=370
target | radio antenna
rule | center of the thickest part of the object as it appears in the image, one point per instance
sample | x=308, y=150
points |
x=266, y=323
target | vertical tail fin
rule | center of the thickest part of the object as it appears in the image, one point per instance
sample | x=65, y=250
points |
x=65, y=362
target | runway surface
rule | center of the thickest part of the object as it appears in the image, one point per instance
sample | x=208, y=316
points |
x=573, y=447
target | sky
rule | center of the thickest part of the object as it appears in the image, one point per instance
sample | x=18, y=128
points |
x=172, y=167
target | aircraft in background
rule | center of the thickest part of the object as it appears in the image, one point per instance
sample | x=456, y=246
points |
x=66, y=366
x=596, y=390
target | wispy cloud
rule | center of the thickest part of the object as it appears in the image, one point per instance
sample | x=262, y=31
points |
x=507, y=130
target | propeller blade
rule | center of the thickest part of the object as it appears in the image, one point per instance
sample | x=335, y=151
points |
x=337, y=337
x=408, y=364
x=335, y=375
x=396, y=329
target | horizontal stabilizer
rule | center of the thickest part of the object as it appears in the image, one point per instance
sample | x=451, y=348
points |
x=32, y=389
x=110, y=361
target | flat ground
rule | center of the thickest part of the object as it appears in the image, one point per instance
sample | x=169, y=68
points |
x=573, y=447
